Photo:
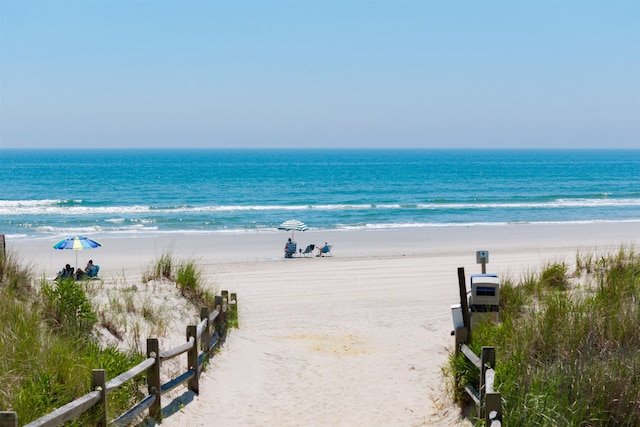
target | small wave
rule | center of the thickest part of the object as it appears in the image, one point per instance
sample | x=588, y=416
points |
x=42, y=207
x=28, y=203
x=70, y=202
x=115, y=220
x=93, y=229
x=391, y=226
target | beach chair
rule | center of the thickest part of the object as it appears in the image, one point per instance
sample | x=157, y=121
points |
x=309, y=250
x=325, y=251
x=93, y=271
x=290, y=252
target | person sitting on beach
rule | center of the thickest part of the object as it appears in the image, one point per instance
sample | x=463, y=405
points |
x=322, y=248
x=289, y=248
x=79, y=274
x=91, y=269
x=67, y=271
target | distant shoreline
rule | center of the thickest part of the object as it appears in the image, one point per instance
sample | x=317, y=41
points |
x=132, y=252
x=20, y=237
x=298, y=149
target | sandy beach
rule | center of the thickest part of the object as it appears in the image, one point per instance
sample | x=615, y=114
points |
x=356, y=339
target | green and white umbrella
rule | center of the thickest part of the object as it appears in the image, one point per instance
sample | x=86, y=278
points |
x=293, y=225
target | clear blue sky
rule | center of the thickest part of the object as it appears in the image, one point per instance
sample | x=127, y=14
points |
x=305, y=73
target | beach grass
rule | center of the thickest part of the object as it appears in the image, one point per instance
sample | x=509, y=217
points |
x=187, y=276
x=161, y=268
x=567, y=347
x=46, y=349
x=47, y=342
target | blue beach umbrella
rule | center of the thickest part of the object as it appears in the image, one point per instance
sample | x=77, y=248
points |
x=77, y=243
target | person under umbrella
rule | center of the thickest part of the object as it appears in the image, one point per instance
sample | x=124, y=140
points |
x=76, y=243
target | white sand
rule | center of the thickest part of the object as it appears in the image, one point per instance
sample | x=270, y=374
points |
x=358, y=339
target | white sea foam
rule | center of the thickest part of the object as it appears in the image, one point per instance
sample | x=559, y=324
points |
x=41, y=208
x=27, y=203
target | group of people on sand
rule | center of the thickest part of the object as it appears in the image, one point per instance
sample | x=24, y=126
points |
x=91, y=270
x=290, y=248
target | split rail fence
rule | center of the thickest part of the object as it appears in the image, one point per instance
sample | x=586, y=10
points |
x=202, y=340
x=487, y=400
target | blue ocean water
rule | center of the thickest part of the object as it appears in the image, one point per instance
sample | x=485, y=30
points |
x=46, y=193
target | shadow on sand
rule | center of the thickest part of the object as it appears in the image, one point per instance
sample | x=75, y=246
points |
x=176, y=405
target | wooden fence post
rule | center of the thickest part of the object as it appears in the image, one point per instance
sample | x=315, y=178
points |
x=206, y=334
x=493, y=409
x=99, y=382
x=461, y=337
x=233, y=307
x=153, y=379
x=8, y=419
x=487, y=360
x=225, y=306
x=192, y=359
x=219, y=324
x=464, y=304
x=487, y=357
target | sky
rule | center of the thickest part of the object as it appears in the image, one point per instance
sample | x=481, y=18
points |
x=319, y=74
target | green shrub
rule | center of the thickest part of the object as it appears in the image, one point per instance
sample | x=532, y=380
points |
x=67, y=307
x=46, y=350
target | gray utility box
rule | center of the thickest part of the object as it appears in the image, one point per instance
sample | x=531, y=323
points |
x=484, y=302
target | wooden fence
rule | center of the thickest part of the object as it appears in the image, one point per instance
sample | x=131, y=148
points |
x=487, y=400
x=202, y=340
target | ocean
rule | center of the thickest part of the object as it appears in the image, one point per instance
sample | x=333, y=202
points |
x=59, y=193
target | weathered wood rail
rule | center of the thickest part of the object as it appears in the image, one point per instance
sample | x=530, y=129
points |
x=487, y=400
x=202, y=340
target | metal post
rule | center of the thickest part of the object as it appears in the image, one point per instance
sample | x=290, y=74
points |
x=482, y=257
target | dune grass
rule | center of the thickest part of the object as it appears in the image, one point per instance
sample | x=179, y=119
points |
x=568, y=346
x=187, y=276
x=47, y=342
x=46, y=349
